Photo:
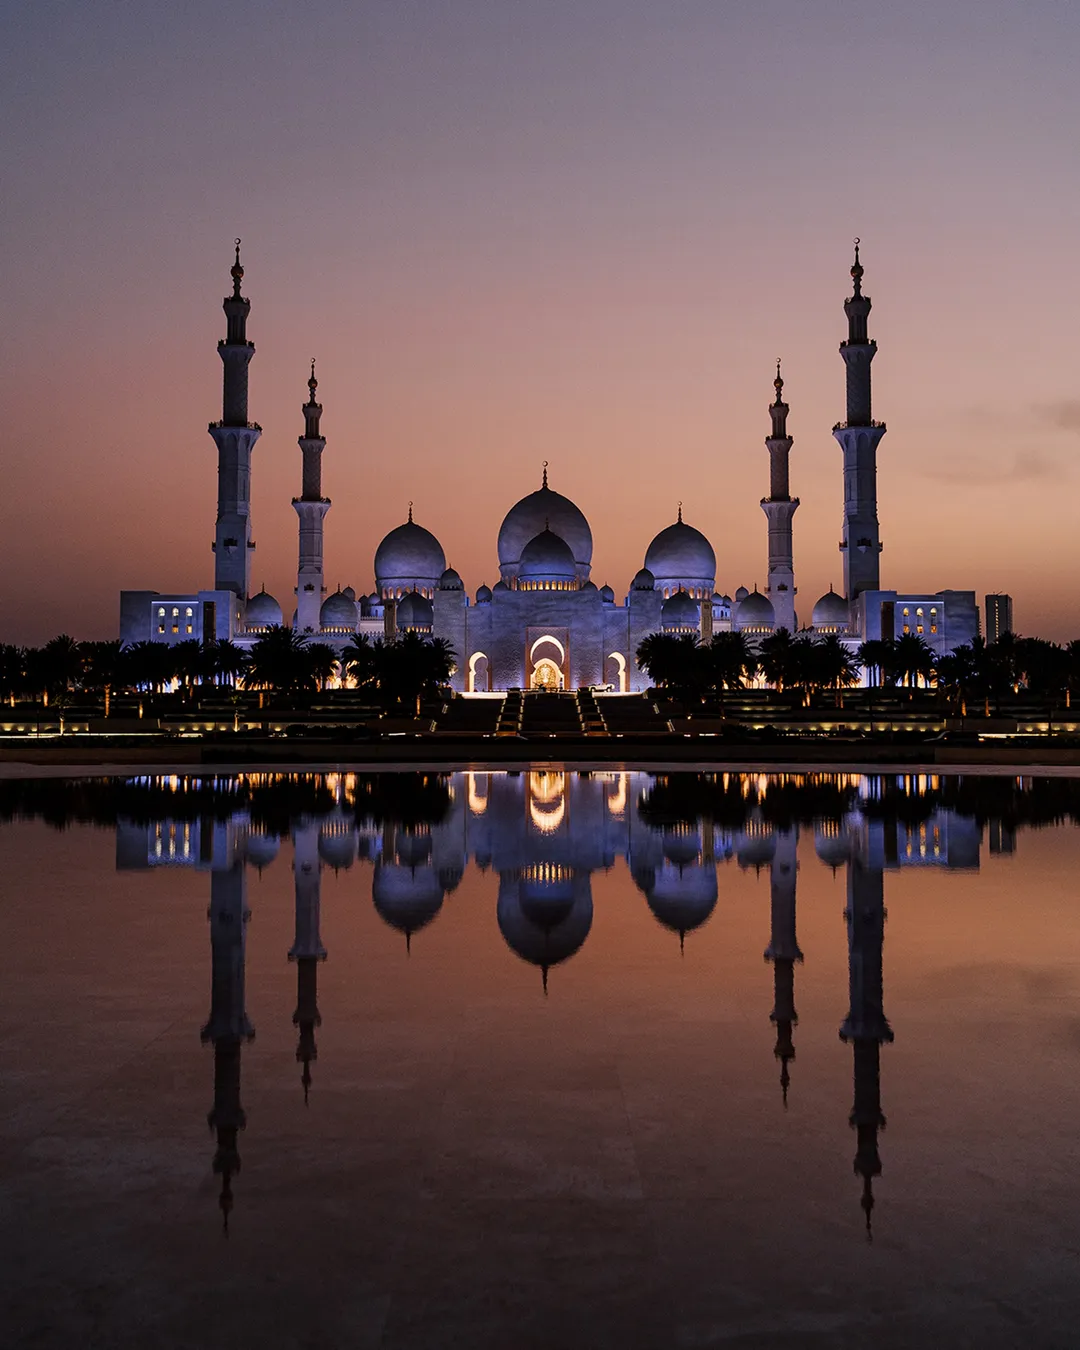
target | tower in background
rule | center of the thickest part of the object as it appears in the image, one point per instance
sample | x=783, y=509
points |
x=999, y=616
x=311, y=506
x=234, y=437
x=859, y=437
x=779, y=506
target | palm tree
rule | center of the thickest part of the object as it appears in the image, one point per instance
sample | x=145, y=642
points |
x=358, y=661
x=224, y=661
x=876, y=658
x=675, y=662
x=12, y=671
x=279, y=661
x=912, y=659
x=779, y=659
x=322, y=662
x=732, y=662
x=148, y=665
x=834, y=666
x=413, y=666
x=103, y=668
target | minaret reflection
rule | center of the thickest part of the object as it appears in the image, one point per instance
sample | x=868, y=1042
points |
x=307, y=949
x=783, y=949
x=866, y=1027
x=228, y=1026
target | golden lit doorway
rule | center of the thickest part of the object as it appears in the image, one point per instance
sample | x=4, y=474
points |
x=547, y=675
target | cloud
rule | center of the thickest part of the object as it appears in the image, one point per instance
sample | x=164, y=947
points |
x=1026, y=466
x=1064, y=415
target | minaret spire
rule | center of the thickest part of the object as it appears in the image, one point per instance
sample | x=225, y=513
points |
x=859, y=437
x=783, y=949
x=234, y=437
x=780, y=507
x=307, y=949
x=866, y=1029
x=311, y=507
x=228, y=1026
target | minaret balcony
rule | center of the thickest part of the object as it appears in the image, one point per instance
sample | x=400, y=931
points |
x=234, y=426
x=859, y=426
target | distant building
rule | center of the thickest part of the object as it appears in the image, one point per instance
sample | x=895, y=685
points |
x=544, y=623
x=999, y=616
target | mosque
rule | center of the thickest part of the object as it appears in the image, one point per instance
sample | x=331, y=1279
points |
x=545, y=623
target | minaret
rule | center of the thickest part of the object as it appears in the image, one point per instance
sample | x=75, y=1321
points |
x=859, y=437
x=307, y=949
x=866, y=1027
x=228, y=1026
x=783, y=949
x=779, y=506
x=311, y=506
x=234, y=437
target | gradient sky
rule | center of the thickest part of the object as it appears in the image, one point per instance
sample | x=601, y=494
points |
x=513, y=231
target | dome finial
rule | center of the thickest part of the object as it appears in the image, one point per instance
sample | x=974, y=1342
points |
x=237, y=272
x=410, y=513
x=857, y=269
x=545, y=473
x=680, y=513
x=778, y=383
x=312, y=383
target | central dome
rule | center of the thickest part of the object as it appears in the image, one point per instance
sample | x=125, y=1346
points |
x=542, y=511
x=547, y=558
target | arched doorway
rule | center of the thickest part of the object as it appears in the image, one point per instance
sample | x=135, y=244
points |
x=546, y=675
x=479, y=674
x=615, y=672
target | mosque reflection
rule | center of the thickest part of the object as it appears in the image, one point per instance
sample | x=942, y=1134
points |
x=545, y=832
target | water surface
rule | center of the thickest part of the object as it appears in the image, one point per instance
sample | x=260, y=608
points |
x=495, y=1060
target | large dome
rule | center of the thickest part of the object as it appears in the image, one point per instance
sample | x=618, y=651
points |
x=682, y=556
x=409, y=558
x=415, y=611
x=680, y=612
x=540, y=511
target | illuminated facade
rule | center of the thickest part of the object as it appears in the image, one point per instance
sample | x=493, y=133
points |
x=545, y=623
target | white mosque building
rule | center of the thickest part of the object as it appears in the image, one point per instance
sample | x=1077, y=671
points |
x=545, y=623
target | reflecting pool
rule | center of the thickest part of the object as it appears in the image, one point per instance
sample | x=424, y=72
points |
x=495, y=1060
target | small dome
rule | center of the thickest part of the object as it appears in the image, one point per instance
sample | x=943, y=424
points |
x=741, y=594
x=414, y=611
x=589, y=586
x=682, y=554
x=539, y=512
x=833, y=843
x=405, y=897
x=262, y=849
x=547, y=557
x=755, y=611
x=450, y=581
x=727, y=600
x=607, y=595
x=644, y=581
x=682, y=898
x=681, y=611
x=371, y=606
x=409, y=556
x=338, y=612
x=337, y=845
x=756, y=848
x=262, y=611
x=831, y=611
x=483, y=595
x=499, y=586
x=349, y=593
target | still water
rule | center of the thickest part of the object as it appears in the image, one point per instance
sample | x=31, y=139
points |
x=495, y=1060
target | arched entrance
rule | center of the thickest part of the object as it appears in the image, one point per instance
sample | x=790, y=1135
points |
x=479, y=674
x=546, y=675
x=615, y=672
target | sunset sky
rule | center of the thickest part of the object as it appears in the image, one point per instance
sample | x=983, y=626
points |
x=518, y=230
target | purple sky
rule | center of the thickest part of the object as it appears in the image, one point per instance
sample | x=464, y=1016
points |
x=513, y=232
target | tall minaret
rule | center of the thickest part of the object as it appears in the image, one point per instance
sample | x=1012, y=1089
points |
x=234, y=437
x=228, y=1026
x=311, y=506
x=307, y=949
x=780, y=506
x=866, y=1027
x=859, y=437
x=783, y=949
